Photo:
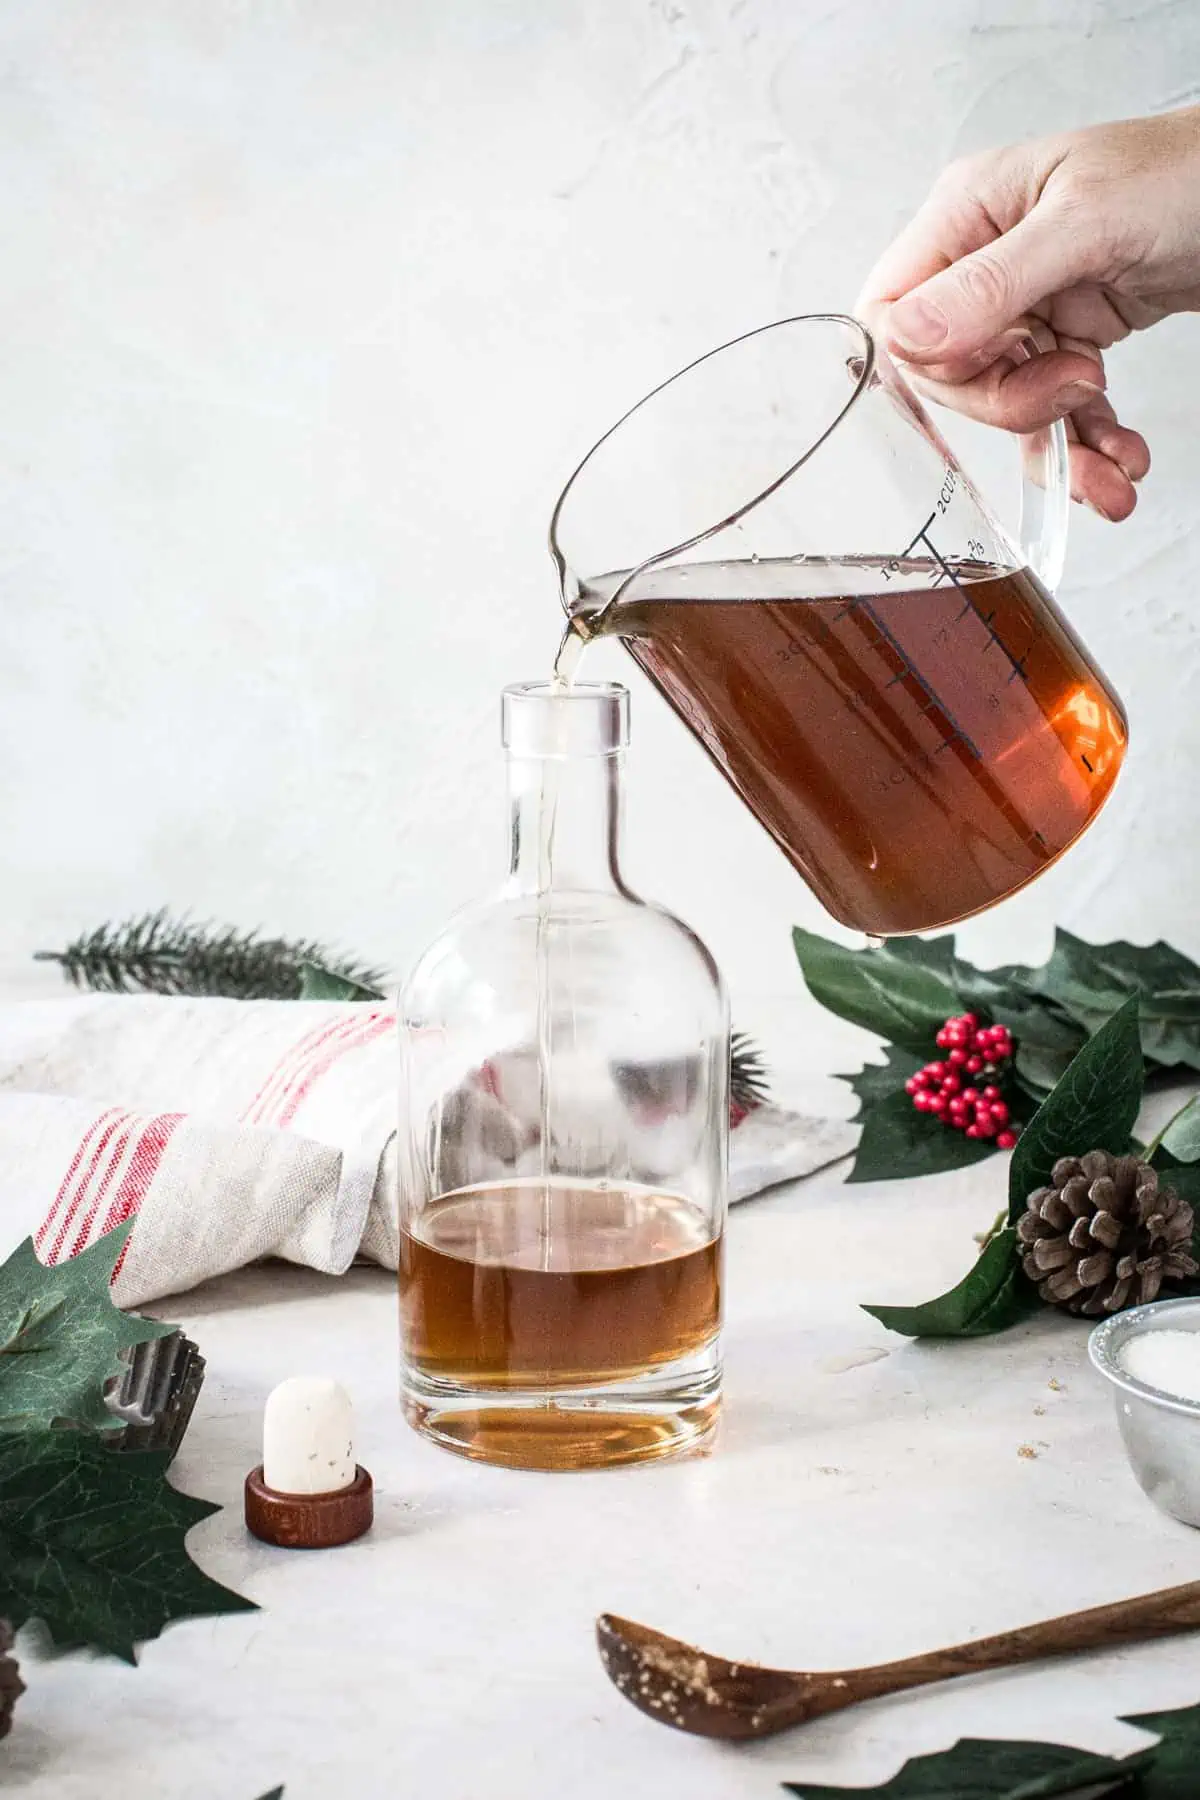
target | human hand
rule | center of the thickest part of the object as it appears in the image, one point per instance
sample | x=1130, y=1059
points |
x=1073, y=241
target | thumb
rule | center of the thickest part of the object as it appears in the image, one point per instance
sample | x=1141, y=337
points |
x=970, y=303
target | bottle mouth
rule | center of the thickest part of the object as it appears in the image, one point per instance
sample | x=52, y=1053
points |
x=542, y=718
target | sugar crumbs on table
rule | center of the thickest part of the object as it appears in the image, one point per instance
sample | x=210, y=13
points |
x=1166, y=1360
x=1028, y=1452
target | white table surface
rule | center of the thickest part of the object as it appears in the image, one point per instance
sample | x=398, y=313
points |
x=867, y=1499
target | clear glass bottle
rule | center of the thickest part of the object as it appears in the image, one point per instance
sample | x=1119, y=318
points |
x=564, y=1138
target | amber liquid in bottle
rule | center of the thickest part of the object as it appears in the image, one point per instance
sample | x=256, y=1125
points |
x=539, y=1285
x=921, y=739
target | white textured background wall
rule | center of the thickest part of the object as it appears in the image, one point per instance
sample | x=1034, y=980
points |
x=306, y=307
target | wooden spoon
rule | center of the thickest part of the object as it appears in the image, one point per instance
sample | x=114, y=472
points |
x=681, y=1686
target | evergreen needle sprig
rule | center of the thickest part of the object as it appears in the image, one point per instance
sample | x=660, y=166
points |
x=749, y=1083
x=157, y=953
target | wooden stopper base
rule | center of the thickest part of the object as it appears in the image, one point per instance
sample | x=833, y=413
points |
x=309, y=1521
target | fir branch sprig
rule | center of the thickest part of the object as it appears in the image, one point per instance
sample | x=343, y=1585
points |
x=748, y=1081
x=159, y=954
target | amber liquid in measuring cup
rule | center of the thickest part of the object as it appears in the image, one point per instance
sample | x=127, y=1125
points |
x=920, y=738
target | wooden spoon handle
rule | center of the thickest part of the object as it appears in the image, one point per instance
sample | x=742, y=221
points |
x=1101, y=1627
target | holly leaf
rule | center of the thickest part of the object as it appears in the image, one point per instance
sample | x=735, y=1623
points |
x=1047, y=1044
x=92, y=1543
x=1040, y=1066
x=1082, y=985
x=1093, y=1107
x=990, y=1769
x=1046, y=1038
x=896, y=1139
x=60, y=1335
x=1184, y=1178
x=992, y=1296
x=1089, y=982
x=317, y=983
x=899, y=1141
x=1174, y=1761
x=995, y=1769
x=993, y=991
x=925, y=953
x=880, y=1081
x=275, y=1794
x=893, y=993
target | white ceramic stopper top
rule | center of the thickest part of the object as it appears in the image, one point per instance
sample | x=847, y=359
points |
x=308, y=1437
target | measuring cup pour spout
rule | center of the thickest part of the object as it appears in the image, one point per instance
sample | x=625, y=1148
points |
x=810, y=578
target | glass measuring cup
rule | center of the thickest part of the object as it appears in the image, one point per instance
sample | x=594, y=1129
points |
x=792, y=554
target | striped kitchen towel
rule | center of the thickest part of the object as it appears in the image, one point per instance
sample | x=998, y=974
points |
x=236, y=1130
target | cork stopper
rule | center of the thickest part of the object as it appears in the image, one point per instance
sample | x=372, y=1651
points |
x=308, y=1493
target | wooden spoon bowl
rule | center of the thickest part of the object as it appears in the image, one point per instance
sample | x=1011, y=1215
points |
x=679, y=1685
x=695, y=1691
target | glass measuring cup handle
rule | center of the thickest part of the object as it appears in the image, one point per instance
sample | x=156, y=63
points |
x=1045, y=493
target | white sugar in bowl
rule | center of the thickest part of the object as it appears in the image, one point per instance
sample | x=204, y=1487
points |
x=1151, y=1355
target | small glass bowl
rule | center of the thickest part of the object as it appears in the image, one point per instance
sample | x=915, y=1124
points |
x=1161, y=1432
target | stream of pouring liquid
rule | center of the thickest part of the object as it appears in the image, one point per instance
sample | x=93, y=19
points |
x=565, y=664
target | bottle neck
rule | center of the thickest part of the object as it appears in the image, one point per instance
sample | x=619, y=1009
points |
x=565, y=817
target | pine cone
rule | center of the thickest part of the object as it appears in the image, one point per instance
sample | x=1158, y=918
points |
x=11, y=1685
x=1104, y=1235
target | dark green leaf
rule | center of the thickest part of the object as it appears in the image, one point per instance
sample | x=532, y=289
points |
x=925, y=953
x=994, y=1769
x=1046, y=1045
x=1174, y=1772
x=993, y=1296
x=1080, y=987
x=1089, y=981
x=1046, y=1038
x=889, y=993
x=879, y=1081
x=93, y=1544
x=1185, y=1179
x=275, y=1794
x=1093, y=1107
x=899, y=1141
x=60, y=1334
x=994, y=992
x=317, y=983
x=896, y=1139
x=1041, y=1067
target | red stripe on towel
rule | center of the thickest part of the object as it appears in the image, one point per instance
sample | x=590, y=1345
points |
x=112, y=1125
x=68, y=1180
x=284, y=1070
x=364, y=1032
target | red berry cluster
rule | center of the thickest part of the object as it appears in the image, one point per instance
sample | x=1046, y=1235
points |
x=974, y=1052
